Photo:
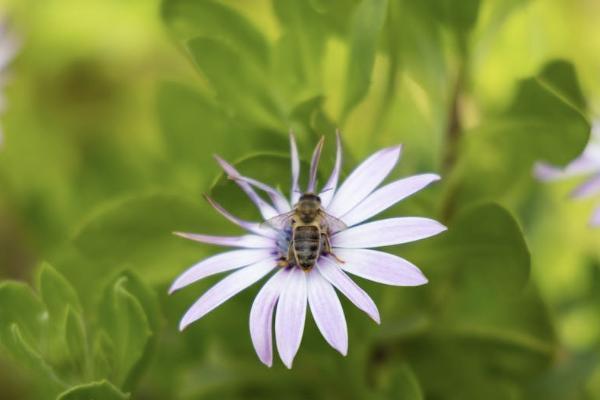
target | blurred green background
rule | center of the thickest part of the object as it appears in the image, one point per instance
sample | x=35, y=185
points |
x=115, y=107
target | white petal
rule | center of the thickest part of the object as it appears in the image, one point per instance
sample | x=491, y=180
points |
x=278, y=199
x=595, y=220
x=253, y=227
x=261, y=316
x=387, y=196
x=351, y=290
x=226, y=289
x=295, y=195
x=290, y=317
x=327, y=311
x=328, y=191
x=314, y=166
x=244, y=241
x=219, y=263
x=588, y=162
x=363, y=180
x=380, y=267
x=387, y=232
x=266, y=210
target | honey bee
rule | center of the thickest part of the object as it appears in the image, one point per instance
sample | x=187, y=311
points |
x=311, y=227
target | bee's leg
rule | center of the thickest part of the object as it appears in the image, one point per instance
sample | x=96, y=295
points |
x=288, y=261
x=327, y=248
x=283, y=262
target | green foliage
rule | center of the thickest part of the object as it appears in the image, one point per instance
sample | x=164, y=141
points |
x=364, y=39
x=109, y=133
x=103, y=390
x=543, y=122
x=51, y=337
x=188, y=19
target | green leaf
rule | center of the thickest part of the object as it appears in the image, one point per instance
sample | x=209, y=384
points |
x=540, y=124
x=487, y=248
x=32, y=360
x=144, y=294
x=365, y=32
x=560, y=76
x=19, y=305
x=102, y=390
x=567, y=378
x=299, y=52
x=484, y=280
x=400, y=382
x=187, y=117
x=242, y=88
x=103, y=352
x=57, y=293
x=137, y=233
x=123, y=318
x=458, y=16
x=76, y=339
x=191, y=18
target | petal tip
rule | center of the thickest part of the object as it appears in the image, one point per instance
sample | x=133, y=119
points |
x=343, y=350
x=422, y=281
x=376, y=318
x=183, y=324
x=268, y=362
x=174, y=287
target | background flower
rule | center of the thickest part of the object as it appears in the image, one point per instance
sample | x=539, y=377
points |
x=587, y=164
x=8, y=49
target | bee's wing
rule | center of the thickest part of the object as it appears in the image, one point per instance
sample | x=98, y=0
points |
x=280, y=221
x=334, y=224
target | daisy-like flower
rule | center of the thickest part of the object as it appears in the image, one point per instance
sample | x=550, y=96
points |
x=291, y=289
x=587, y=164
x=8, y=49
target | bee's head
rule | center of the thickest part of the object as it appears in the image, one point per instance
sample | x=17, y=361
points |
x=308, y=206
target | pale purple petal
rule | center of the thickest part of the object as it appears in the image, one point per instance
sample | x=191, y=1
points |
x=595, y=220
x=380, y=267
x=226, y=289
x=9, y=46
x=266, y=210
x=278, y=199
x=327, y=311
x=546, y=172
x=314, y=166
x=387, y=232
x=295, y=195
x=589, y=188
x=290, y=317
x=245, y=241
x=363, y=180
x=261, y=316
x=351, y=290
x=220, y=263
x=328, y=191
x=253, y=227
x=387, y=196
x=588, y=162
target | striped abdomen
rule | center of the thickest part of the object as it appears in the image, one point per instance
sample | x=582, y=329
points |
x=307, y=245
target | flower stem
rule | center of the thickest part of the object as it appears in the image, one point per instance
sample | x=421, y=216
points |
x=453, y=136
